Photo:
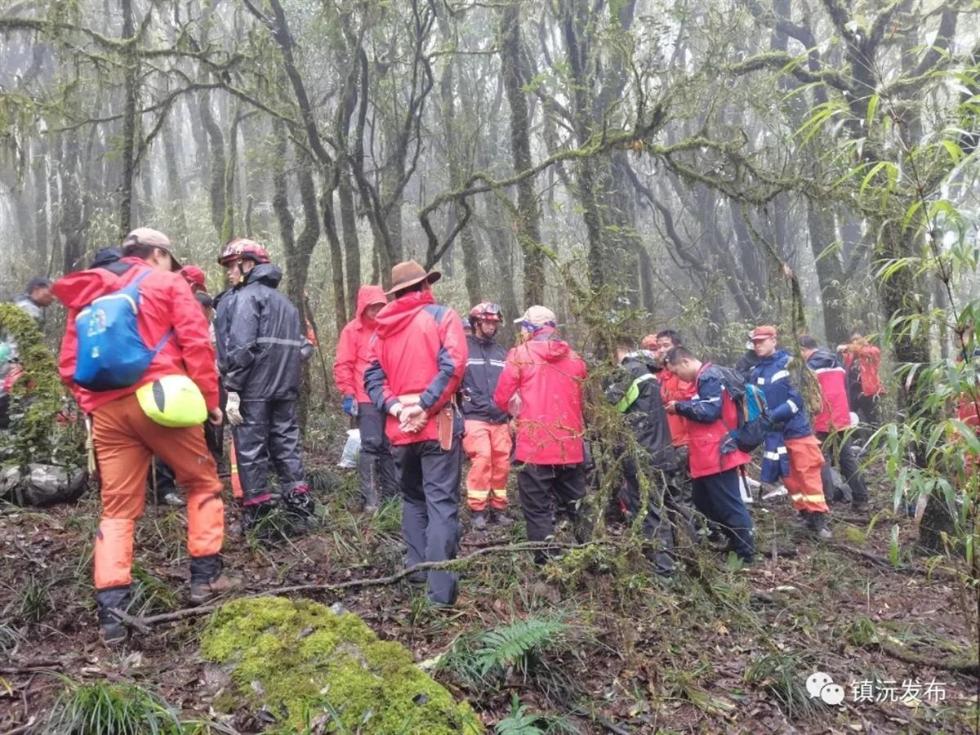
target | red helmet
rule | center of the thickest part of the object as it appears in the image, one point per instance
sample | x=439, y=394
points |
x=242, y=248
x=486, y=311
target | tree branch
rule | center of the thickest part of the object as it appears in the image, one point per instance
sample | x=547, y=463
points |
x=143, y=624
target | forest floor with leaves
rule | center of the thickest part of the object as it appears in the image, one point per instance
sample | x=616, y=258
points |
x=607, y=647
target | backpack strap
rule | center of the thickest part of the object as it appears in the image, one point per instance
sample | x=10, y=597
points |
x=134, y=284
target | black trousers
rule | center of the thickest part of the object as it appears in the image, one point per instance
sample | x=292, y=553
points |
x=719, y=498
x=657, y=526
x=867, y=409
x=839, y=450
x=547, y=490
x=268, y=435
x=375, y=465
x=429, y=479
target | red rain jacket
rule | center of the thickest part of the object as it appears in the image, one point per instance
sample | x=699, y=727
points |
x=354, y=346
x=835, y=409
x=547, y=375
x=166, y=302
x=710, y=414
x=672, y=388
x=418, y=348
x=869, y=362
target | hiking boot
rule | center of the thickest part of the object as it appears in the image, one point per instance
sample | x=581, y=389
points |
x=479, y=520
x=300, y=508
x=114, y=632
x=860, y=506
x=817, y=524
x=500, y=518
x=208, y=579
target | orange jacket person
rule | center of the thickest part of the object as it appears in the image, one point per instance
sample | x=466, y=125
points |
x=170, y=323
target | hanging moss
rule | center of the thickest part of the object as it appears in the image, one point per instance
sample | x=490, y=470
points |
x=36, y=400
x=302, y=662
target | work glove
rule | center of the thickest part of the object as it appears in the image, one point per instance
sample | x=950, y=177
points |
x=350, y=406
x=233, y=409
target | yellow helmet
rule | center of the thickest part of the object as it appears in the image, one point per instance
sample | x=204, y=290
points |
x=174, y=401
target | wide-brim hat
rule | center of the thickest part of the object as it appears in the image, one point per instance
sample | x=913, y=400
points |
x=408, y=273
x=153, y=238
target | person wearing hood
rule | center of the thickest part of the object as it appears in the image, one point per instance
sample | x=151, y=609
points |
x=635, y=391
x=418, y=359
x=262, y=346
x=790, y=450
x=833, y=421
x=375, y=464
x=175, y=342
x=862, y=360
x=546, y=377
x=487, y=440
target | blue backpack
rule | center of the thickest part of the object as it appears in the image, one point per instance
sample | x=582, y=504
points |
x=111, y=352
x=753, y=412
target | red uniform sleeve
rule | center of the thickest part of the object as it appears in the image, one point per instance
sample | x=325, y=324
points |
x=510, y=379
x=69, y=349
x=194, y=339
x=343, y=365
x=451, y=362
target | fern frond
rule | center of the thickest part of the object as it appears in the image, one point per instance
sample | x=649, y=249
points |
x=512, y=644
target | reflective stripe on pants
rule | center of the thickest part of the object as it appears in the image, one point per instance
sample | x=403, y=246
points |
x=803, y=482
x=488, y=448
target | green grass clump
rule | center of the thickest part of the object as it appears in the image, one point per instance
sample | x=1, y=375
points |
x=298, y=657
x=102, y=708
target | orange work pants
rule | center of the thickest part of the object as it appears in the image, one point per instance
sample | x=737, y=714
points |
x=803, y=481
x=125, y=443
x=488, y=447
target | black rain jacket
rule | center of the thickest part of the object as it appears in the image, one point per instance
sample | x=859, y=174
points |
x=263, y=339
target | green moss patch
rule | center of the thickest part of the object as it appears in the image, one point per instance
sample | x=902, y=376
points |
x=305, y=663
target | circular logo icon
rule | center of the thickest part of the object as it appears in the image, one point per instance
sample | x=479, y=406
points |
x=816, y=682
x=832, y=694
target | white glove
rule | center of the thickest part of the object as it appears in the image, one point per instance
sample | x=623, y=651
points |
x=233, y=409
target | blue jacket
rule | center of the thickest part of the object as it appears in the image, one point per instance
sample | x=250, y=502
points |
x=483, y=367
x=787, y=409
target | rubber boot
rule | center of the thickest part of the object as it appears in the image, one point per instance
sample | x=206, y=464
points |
x=114, y=632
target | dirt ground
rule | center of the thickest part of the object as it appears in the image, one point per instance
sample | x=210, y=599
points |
x=717, y=649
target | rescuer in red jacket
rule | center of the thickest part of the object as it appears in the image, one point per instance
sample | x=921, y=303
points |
x=709, y=415
x=375, y=464
x=126, y=439
x=546, y=375
x=419, y=356
x=832, y=422
x=672, y=388
x=862, y=360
